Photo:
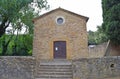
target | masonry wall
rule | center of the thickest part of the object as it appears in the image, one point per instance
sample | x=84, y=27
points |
x=17, y=67
x=85, y=68
x=113, y=50
x=97, y=68
x=97, y=51
x=73, y=31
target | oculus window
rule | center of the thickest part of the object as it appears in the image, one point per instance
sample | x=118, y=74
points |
x=60, y=20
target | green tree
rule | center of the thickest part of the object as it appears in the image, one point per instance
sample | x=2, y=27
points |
x=17, y=14
x=97, y=37
x=111, y=20
x=21, y=46
x=91, y=38
x=100, y=36
x=14, y=11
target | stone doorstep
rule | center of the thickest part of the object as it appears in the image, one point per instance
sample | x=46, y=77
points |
x=53, y=78
x=56, y=62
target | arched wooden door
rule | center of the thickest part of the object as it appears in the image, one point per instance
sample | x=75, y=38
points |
x=59, y=49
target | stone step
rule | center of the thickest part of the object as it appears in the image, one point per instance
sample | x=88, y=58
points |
x=55, y=73
x=55, y=62
x=54, y=76
x=55, y=69
x=56, y=66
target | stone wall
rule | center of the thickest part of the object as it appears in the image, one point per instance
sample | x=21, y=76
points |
x=97, y=50
x=85, y=68
x=17, y=67
x=114, y=50
x=97, y=68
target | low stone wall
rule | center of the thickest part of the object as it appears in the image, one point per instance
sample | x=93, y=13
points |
x=97, y=68
x=17, y=67
x=85, y=68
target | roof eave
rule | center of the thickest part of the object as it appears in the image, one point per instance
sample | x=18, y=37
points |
x=59, y=9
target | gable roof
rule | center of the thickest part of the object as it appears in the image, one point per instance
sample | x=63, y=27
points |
x=86, y=18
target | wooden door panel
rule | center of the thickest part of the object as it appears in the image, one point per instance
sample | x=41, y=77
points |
x=59, y=49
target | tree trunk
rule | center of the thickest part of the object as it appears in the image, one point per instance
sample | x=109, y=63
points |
x=3, y=26
x=4, y=47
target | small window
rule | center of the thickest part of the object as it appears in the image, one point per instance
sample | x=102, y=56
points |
x=60, y=20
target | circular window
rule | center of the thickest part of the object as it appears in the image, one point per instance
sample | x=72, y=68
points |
x=60, y=20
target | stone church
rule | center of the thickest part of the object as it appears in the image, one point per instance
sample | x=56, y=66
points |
x=60, y=34
x=60, y=40
x=60, y=51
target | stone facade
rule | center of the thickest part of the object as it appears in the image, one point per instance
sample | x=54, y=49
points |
x=73, y=31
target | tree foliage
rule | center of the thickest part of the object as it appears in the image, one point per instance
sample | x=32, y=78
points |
x=18, y=14
x=22, y=45
x=97, y=37
x=91, y=38
x=111, y=19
